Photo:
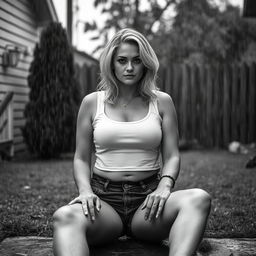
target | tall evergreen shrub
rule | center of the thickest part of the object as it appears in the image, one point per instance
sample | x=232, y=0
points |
x=54, y=97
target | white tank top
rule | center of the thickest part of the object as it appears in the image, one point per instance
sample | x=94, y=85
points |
x=127, y=146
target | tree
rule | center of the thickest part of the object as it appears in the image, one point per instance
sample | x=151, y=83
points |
x=53, y=100
x=128, y=13
x=200, y=31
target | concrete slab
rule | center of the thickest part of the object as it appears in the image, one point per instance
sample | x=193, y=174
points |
x=42, y=246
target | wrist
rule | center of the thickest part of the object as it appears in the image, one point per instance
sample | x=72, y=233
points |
x=168, y=180
x=85, y=191
x=165, y=184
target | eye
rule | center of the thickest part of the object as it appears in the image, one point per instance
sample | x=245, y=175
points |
x=121, y=61
x=137, y=61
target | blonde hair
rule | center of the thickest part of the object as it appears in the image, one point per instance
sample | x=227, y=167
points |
x=148, y=57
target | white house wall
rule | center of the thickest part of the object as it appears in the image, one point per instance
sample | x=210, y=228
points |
x=17, y=27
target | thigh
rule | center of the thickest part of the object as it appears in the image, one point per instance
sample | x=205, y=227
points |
x=106, y=227
x=158, y=229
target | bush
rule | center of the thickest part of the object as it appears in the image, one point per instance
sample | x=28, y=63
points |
x=54, y=97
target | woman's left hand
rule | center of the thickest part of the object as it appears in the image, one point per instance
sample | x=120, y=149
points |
x=155, y=202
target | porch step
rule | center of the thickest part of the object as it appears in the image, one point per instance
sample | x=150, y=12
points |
x=42, y=246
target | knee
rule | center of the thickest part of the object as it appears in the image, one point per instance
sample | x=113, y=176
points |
x=65, y=216
x=200, y=199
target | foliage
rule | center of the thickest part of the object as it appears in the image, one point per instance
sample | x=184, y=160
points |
x=128, y=13
x=54, y=97
x=203, y=33
x=197, y=31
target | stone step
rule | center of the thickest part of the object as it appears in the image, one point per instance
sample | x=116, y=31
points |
x=42, y=246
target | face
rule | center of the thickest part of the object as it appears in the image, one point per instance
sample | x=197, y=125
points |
x=128, y=66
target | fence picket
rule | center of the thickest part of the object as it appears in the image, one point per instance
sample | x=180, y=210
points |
x=243, y=90
x=184, y=102
x=251, y=104
x=168, y=80
x=176, y=92
x=202, y=102
x=234, y=103
x=226, y=105
x=194, y=112
x=219, y=86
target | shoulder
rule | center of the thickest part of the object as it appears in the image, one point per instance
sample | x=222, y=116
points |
x=89, y=104
x=165, y=102
x=163, y=96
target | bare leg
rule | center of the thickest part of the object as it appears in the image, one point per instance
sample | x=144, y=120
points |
x=73, y=231
x=193, y=216
x=183, y=221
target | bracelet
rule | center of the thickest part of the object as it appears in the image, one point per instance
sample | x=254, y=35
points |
x=170, y=177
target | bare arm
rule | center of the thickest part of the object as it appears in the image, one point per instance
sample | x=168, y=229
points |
x=155, y=201
x=170, y=150
x=82, y=158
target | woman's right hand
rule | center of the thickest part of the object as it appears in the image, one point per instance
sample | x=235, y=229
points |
x=90, y=202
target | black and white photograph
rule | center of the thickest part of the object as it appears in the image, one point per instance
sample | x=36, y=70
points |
x=127, y=127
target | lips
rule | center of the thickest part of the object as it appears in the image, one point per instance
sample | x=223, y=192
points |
x=129, y=76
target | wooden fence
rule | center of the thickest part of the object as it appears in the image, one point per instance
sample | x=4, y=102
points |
x=215, y=104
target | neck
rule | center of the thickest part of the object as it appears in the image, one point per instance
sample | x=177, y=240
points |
x=128, y=92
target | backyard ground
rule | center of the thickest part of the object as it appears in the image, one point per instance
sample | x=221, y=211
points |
x=31, y=190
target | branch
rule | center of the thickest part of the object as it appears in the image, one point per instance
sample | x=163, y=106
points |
x=168, y=3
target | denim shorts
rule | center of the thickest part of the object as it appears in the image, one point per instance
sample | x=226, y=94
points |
x=125, y=197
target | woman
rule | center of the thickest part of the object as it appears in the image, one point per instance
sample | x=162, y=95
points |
x=130, y=125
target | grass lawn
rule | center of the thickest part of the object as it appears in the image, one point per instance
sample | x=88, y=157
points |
x=30, y=191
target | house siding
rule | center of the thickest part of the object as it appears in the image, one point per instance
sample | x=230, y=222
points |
x=21, y=22
x=18, y=26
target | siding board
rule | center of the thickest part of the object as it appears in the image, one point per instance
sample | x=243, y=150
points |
x=13, y=28
x=14, y=72
x=18, y=114
x=19, y=106
x=16, y=20
x=7, y=7
x=27, y=9
x=5, y=79
x=16, y=38
x=14, y=88
x=17, y=98
x=17, y=131
x=26, y=2
x=18, y=123
x=21, y=147
x=18, y=139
